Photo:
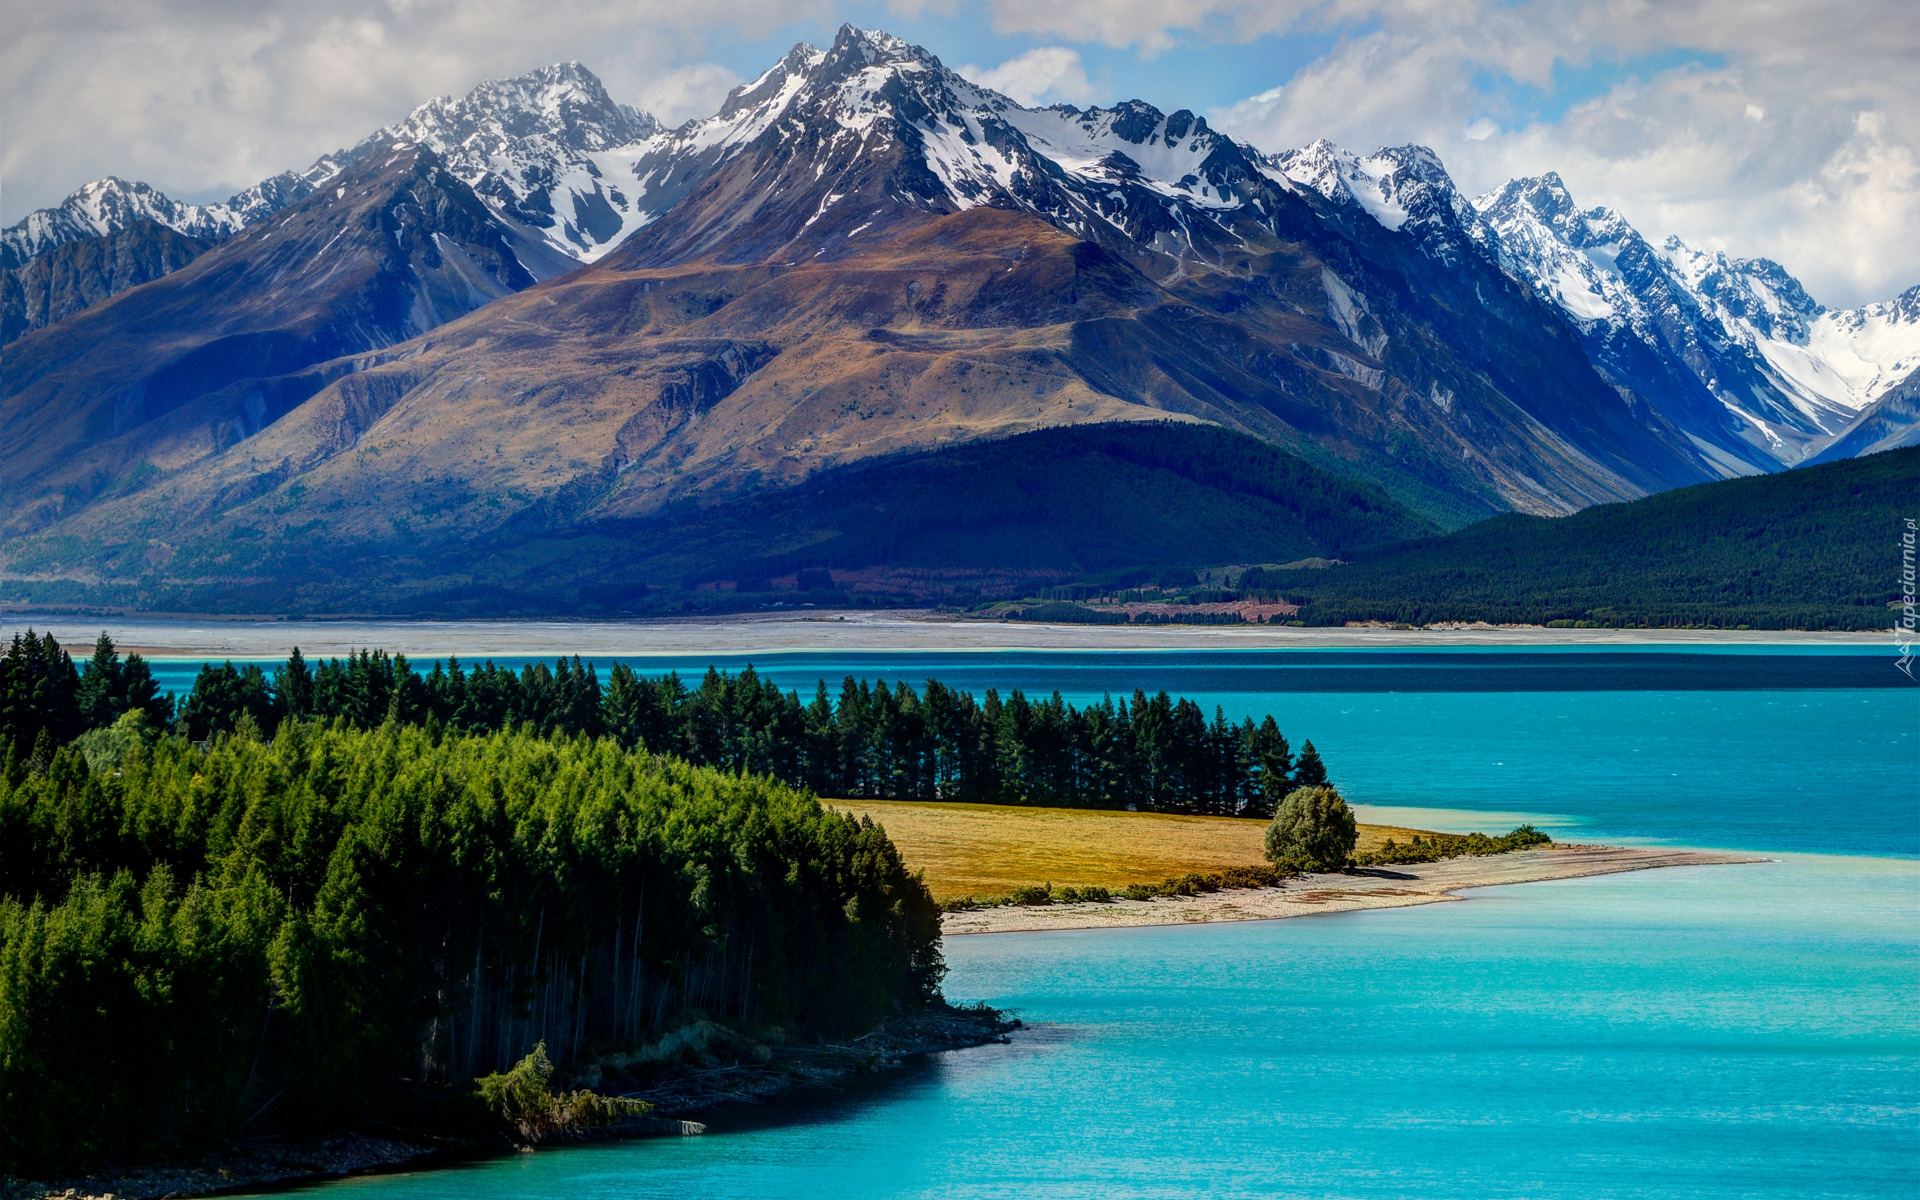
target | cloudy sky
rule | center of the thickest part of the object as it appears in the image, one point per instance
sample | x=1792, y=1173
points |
x=1783, y=128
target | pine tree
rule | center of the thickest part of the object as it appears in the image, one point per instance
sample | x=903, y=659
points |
x=293, y=687
x=140, y=690
x=38, y=693
x=102, y=694
x=1273, y=759
x=1309, y=771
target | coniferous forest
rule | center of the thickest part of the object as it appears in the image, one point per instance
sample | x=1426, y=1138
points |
x=868, y=740
x=293, y=895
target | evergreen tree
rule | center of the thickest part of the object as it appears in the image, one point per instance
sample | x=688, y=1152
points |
x=293, y=687
x=140, y=690
x=39, y=690
x=102, y=694
x=1309, y=771
x=1273, y=766
x=222, y=694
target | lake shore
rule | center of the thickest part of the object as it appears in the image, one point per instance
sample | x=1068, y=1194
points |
x=800, y=632
x=1399, y=886
x=692, y=1090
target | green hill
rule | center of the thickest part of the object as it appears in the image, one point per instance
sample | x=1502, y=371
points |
x=1815, y=548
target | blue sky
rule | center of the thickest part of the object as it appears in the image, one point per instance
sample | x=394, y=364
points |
x=1201, y=71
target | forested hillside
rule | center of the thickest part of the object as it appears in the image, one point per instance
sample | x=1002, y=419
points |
x=1815, y=548
x=251, y=938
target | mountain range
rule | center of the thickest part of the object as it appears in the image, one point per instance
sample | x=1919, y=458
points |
x=532, y=323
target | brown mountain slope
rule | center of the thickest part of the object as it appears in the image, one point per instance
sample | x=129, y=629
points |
x=168, y=373
x=605, y=395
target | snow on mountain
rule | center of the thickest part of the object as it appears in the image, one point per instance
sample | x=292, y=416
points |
x=1405, y=189
x=1130, y=168
x=108, y=206
x=1866, y=350
x=1790, y=373
x=532, y=147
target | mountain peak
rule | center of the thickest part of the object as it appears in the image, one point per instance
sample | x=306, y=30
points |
x=1400, y=187
x=876, y=46
x=106, y=206
x=564, y=102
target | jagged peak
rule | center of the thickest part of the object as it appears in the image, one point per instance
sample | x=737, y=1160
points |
x=1394, y=184
x=564, y=101
x=1546, y=196
x=879, y=46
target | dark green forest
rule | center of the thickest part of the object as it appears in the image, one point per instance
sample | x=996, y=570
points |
x=868, y=740
x=1813, y=548
x=250, y=936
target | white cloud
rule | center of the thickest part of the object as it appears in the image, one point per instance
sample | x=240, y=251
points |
x=687, y=93
x=1790, y=133
x=1047, y=75
x=203, y=97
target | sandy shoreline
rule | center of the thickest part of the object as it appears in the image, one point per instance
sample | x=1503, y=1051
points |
x=801, y=632
x=1373, y=887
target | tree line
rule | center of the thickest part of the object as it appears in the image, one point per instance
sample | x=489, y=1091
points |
x=870, y=741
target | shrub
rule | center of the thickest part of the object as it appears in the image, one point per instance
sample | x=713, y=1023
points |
x=521, y=1097
x=1449, y=845
x=1252, y=877
x=1033, y=896
x=1313, y=830
x=1093, y=893
x=107, y=748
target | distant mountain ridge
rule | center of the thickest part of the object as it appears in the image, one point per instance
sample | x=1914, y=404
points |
x=1758, y=374
x=1754, y=371
x=1783, y=373
x=534, y=318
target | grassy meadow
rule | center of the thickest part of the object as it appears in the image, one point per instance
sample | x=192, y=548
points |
x=991, y=849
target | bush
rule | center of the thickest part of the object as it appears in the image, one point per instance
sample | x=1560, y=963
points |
x=1437, y=846
x=1033, y=895
x=1313, y=830
x=1252, y=877
x=107, y=748
x=521, y=1096
x=1093, y=893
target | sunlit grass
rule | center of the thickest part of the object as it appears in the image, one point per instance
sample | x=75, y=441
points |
x=990, y=849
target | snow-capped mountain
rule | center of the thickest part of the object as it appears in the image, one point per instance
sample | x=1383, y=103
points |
x=1732, y=350
x=1154, y=178
x=1702, y=330
x=532, y=147
x=528, y=145
x=107, y=206
x=1116, y=260
x=1404, y=189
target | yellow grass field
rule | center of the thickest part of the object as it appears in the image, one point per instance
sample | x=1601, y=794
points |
x=990, y=849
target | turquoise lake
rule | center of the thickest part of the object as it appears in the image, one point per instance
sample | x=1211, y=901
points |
x=1728, y=1031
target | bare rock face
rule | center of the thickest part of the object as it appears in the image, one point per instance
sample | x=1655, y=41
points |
x=81, y=273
